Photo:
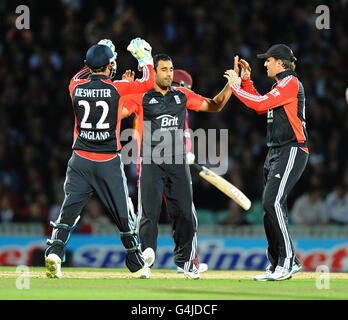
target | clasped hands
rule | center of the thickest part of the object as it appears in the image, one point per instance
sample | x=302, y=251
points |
x=240, y=66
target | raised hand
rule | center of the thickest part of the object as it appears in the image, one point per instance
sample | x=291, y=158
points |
x=232, y=77
x=246, y=70
x=141, y=50
x=236, y=64
x=128, y=75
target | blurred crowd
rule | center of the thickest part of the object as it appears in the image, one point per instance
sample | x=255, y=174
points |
x=202, y=37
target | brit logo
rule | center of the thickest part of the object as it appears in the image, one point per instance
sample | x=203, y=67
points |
x=152, y=101
x=177, y=99
x=168, y=121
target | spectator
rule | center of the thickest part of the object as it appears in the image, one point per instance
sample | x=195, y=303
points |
x=309, y=209
x=93, y=218
x=236, y=215
x=336, y=205
x=7, y=212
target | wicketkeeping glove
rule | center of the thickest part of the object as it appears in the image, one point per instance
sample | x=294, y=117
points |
x=141, y=51
x=108, y=43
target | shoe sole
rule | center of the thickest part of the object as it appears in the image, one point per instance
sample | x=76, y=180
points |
x=200, y=270
x=187, y=276
x=280, y=279
x=140, y=273
x=51, y=269
x=262, y=280
x=191, y=278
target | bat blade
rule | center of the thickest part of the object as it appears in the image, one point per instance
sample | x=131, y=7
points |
x=226, y=187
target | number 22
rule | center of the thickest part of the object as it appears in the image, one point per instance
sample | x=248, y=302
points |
x=100, y=124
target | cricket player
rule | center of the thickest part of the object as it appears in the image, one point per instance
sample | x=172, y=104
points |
x=95, y=165
x=182, y=78
x=164, y=168
x=288, y=152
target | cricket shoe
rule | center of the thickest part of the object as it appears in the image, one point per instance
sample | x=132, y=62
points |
x=193, y=274
x=144, y=272
x=263, y=276
x=280, y=273
x=53, y=266
x=202, y=268
x=296, y=268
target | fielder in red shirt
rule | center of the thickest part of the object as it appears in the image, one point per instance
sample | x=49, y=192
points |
x=288, y=153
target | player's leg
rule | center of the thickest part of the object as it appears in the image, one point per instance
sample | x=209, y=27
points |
x=285, y=172
x=184, y=218
x=77, y=192
x=202, y=267
x=110, y=184
x=151, y=186
x=295, y=165
x=272, y=246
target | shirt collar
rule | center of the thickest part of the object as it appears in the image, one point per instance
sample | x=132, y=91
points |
x=286, y=73
x=98, y=76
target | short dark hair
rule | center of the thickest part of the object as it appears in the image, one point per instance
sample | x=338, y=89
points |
x=160, y=57
x=100, y=69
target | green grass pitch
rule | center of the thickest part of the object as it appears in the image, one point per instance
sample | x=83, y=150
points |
x=117, y=284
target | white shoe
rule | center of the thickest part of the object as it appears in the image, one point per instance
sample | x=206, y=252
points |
x=144, y=272
x=263, y=276
x=193, y=274
x=53, y=266
x=296, y=268
x=149, y=256
x=280, y=273
x=202, y=268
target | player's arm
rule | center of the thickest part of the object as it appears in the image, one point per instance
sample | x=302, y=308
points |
x=248, y=86
x=82, y=74
x=284, y=93
x=146, y=83
x=130, y=103
x=141, y=50
x=218, y=102
x=245, y=75
x=197, y=102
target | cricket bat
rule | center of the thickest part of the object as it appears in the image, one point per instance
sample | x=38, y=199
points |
x=223, y=185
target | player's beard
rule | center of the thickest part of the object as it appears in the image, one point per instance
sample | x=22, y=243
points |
x=165, y=83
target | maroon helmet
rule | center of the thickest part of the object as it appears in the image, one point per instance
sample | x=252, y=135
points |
x=182, y=78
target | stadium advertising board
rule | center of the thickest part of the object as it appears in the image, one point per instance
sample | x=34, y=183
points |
x=220, y=253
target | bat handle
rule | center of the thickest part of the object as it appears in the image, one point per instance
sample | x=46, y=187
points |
x=196, y=167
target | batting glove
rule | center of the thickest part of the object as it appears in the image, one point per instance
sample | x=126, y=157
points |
x=141, y=51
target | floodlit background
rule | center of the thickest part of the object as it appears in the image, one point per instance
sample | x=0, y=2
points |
x=202, y=37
